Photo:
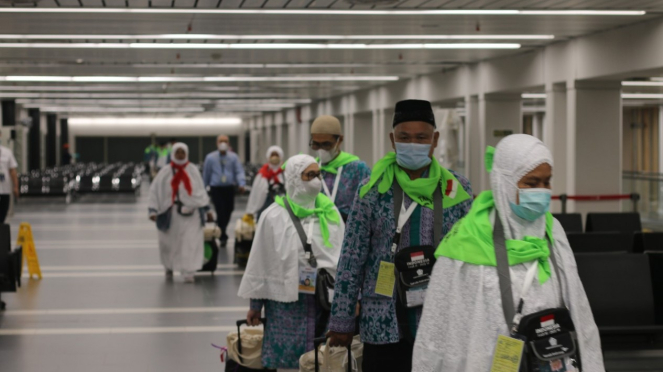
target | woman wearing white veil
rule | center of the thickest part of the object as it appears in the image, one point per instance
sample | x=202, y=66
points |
x=179, y=204
x=463, y=314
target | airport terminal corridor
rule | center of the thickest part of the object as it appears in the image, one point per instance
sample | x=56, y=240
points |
x=104, y=303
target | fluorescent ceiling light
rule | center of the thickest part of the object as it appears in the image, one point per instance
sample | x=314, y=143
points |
x=642, y=96
x=116, y=87
x=120, y=109
x=533, y=96
x=141, y=95
x=642, y=83
x=272, y=37
x=193, y=79
x=259, y=46
x=155, y=122
x=325, y=11
x=120, y=102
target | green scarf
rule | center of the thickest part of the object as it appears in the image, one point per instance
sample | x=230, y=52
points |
x=324, y=209
x=341, y=160
x=471, y=240
x=420, y=190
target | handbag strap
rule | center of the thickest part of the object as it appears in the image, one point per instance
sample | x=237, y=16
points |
x=323, y=340
x=302, y=235
x=504, y=273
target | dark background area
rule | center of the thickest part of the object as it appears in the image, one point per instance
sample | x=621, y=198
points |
x=126, y=149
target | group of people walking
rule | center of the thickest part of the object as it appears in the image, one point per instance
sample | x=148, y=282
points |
x=403, y=254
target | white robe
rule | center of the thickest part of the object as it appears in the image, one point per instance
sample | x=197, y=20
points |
x=272, y=272
x=259, y=193
x=463, y=314
x=182, y=246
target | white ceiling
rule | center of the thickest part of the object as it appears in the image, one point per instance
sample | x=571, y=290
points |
x=209, y=62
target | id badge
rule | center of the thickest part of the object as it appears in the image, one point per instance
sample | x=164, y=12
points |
x=307, y=280
x=2, y=177
x=416, y=296
x=508, y=354
x=224, y=179
x=386, y=279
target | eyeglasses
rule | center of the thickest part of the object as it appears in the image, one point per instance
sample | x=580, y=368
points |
x=322, y=145
x=308, y=176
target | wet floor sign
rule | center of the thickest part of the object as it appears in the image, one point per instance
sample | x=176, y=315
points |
x=29, y=251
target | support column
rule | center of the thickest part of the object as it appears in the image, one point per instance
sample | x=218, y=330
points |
x=51, y=140
x=292, y=139
x=555, y=131
x=474, y=150
x=499, y=115
x=34, y=140
x=376, y=139
x=594, y=142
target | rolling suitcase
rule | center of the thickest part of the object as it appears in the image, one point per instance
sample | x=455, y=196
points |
x=211, y=248
x=237, y=354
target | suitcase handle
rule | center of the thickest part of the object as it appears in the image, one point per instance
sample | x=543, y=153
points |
x=321, y=340
x=239, y=335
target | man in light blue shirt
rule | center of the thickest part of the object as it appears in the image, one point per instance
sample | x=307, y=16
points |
x=222, y=172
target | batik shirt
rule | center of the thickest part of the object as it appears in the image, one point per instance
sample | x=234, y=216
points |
x=351, y=178
x=368, y=238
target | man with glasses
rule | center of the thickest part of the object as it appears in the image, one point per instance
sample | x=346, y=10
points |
x=342, y=172
x=399, y=217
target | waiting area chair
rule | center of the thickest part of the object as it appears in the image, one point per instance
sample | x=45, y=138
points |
x=571, y=222
x=619, y=222
x=601, y=242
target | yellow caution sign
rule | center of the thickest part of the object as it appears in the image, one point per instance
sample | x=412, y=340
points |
x=30, y=258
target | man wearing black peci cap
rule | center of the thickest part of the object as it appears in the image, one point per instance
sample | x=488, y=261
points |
x=391, y=234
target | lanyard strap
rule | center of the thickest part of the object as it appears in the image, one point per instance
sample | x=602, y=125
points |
x=337, y=181
x=306, y=241
x=511, y=316
x=402, y=218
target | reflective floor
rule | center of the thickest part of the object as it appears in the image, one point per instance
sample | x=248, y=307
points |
x=104, y=303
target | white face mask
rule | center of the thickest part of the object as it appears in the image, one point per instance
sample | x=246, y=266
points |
x=313, y=187
x=223, y=146
x=178, y=161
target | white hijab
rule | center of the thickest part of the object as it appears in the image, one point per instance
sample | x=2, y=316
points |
x=272, y=150
x=161, y=192
x=294, y=185
x=515, y=156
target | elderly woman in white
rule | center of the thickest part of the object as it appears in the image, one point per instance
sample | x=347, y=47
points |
x=508, y=230
x=268, y=183
x=179, y=205
x=279, y=275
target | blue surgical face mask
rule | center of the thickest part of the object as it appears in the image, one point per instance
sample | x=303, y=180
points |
x=412, y=156
x=534, y=203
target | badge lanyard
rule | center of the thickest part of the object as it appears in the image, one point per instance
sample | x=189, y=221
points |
x=529, y=278
x=402, y=220
x=337, y=181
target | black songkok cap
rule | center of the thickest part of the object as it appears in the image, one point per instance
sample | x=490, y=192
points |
x=414, y=110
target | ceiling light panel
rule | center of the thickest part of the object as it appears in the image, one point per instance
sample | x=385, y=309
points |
x=202, y=79
x=155, y=122
x=245, y=46
x=327, y=12
x=272, y=37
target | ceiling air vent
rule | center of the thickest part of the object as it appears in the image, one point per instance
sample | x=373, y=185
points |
x=373, y=2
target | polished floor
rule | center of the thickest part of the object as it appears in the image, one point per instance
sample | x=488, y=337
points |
x=104, y=303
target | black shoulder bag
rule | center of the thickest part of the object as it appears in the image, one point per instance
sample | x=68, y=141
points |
x=324, y=287
x=414, y=265
x=551, y=342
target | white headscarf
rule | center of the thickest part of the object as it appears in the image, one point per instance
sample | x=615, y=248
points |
x=515, y=156
x=299, y=190
x=271, y=150
x=177, y=146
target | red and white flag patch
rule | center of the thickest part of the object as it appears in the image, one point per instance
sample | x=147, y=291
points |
x=547, y=321
x=417, y=256
x=452, y=189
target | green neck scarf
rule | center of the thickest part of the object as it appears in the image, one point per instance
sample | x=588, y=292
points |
x=324, y=209
x=471, y=240
x=420, y=190
x=341, y=160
